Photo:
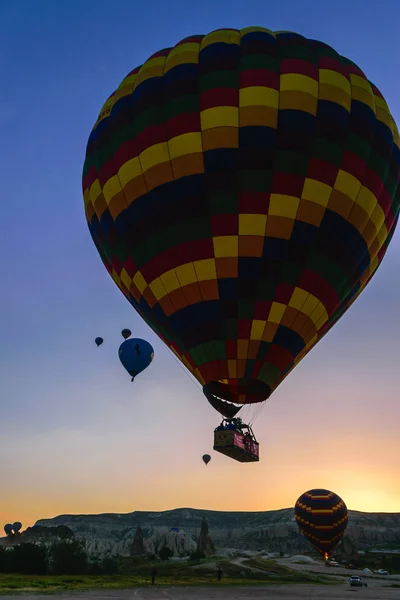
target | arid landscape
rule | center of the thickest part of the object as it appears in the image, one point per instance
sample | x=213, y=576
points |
x=274, y=530
x=261, y=555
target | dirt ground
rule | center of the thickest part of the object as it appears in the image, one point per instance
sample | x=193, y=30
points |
x=375, y=591
x=317, y=567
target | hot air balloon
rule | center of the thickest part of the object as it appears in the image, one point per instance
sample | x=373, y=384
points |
x=98, y=341
x=8, y=529
x=126, y=333
x=322, y=518
x=241, y=189
x=17, y=527
x=135, y=355
x=206, y=459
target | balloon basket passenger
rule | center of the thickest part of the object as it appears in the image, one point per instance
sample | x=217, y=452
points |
x=236, y=440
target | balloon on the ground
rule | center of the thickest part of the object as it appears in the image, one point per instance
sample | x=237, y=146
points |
x=241, y=189
x=126, y=333
x=17, y=526
x=322, y=518
x=135, y=355
x=8, y=529
x=98, y=341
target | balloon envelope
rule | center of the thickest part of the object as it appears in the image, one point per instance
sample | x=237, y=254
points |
x=135, y=355
x=98, y=341
x=126, y=333
x=206, y=458
x=241, y=189
x=322, y=518
x=8, y=529
x=17, y=526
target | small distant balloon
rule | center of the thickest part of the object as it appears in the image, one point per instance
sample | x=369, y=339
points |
x=126, y=333
x=17, y=526
x=98, y=341
x=206, y=458
x=8, y=529
x=135, y=355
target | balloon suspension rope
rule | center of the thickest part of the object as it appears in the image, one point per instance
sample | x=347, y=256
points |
x=187, y=373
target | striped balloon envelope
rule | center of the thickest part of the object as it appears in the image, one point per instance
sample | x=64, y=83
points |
x=241, y=189
x=322, y=518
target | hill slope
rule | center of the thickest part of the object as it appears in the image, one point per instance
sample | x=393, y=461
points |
x=274, y=530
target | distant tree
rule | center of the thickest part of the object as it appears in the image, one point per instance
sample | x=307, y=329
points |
x=151, y=557
x=108, y=566
x=197, y=555
x=6, y=560
x=165, y=553
x=28, y=559
x=384, y=562
x=68, y=558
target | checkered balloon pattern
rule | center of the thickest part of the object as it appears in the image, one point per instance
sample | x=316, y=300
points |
x=241, y=189
x=322, y=518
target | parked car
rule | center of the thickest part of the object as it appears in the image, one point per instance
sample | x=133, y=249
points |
x=382, y=572
x=355, y=581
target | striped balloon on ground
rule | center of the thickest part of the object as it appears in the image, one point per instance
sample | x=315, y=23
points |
x=322, y=518
x=242, y=189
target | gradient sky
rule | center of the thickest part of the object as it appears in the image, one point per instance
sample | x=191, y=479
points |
x=77, y=436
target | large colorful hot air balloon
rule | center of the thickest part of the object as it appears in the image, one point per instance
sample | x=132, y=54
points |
x=242, y=189
x=322, y=518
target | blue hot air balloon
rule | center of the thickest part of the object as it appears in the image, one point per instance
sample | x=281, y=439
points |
x=135, y=355
x=98, y=341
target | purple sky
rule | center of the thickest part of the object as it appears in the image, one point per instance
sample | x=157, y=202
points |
x=77, y=435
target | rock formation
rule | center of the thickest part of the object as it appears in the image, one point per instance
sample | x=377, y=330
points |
x=38, y=531
x=273, y=531
x=346, y=550
x=138, y=548
x=205, y=544
x=180, y=544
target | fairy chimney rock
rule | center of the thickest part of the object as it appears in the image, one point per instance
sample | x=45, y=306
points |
x=138, y=544
x=205, y=543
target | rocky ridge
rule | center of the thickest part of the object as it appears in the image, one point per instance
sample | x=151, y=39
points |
x=272, y=531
